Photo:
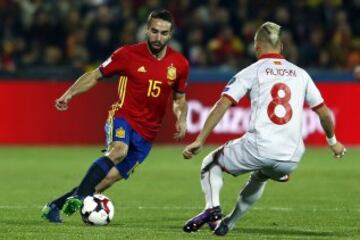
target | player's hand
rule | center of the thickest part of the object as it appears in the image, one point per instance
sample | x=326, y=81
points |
x=180, y=130
x=61, y=103
x=192, y=149
x=338, y=149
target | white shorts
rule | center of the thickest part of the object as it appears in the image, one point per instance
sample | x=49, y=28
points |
x=233, y=157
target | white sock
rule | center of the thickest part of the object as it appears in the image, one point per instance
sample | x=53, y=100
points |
x=211, y=184
x=252, y=192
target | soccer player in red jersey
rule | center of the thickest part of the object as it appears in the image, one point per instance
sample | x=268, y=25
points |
x=149, y=72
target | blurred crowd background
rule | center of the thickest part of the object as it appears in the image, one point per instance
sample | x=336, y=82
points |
x=80, y=34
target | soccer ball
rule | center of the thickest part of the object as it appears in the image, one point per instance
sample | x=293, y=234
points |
x=97, y=210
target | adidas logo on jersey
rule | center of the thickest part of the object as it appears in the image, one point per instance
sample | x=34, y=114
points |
x=142, y=69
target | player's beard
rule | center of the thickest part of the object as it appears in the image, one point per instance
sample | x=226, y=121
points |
x=156, y=51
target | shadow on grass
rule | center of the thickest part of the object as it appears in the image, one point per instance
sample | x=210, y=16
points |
x=282, y=232
x=36, y=226
x=41, y=223
x=295, y=232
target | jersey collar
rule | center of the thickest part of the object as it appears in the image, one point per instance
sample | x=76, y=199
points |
x=271, y=55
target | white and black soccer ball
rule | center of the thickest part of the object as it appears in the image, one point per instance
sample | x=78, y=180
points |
x=97, y=210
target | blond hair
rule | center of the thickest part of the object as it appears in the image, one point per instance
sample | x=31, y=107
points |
x=269, y=33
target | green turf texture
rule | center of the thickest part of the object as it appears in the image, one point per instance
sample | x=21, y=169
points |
x=322, y=200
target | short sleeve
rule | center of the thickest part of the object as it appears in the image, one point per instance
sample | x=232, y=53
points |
x=180, y=84
x=239, y=85
x=312, y=95
x=115, y=64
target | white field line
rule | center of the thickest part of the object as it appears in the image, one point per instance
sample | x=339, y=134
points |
x=276, y=209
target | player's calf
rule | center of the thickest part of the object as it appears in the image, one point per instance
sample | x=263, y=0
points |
x=210, y=215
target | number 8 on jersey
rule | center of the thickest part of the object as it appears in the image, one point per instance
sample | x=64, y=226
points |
x=281, y=95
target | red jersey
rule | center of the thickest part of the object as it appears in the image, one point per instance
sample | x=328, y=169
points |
x=145, y=84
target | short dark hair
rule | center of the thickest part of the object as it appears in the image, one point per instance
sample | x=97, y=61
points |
x=161, y=14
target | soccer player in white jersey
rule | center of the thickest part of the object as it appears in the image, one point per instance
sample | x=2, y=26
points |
x=273, y=146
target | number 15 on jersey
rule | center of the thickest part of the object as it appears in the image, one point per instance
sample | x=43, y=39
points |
x=154, y=88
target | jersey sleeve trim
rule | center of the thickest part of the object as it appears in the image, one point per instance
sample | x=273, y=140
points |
x=178, y=91
x=234, y=102
x=318, y=106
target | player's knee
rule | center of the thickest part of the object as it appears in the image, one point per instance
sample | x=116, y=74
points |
x=118, y=152
x=259, y=176
x=207, y=160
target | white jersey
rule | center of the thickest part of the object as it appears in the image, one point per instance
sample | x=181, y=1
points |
x=277, y=90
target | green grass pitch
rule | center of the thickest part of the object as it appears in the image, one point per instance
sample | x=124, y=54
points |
x=322, y=201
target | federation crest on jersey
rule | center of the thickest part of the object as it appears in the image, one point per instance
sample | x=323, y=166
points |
x=171, y=73
x=120, y=132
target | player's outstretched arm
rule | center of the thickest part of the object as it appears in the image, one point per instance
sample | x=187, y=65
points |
x=82, y=84
x=215, y=115
x=328, y=125
x=180, y=111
